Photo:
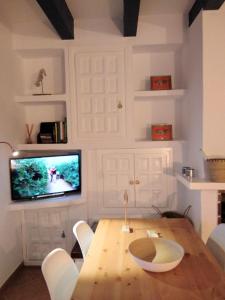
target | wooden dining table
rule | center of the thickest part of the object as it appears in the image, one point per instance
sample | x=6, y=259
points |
x=110, y=273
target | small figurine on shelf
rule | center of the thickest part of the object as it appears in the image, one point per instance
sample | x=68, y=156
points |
x=29, y=133
x=39, y=82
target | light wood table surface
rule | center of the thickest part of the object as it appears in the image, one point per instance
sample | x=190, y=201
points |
x=109, y=272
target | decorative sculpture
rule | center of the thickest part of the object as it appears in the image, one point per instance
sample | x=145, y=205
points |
x=39, y=81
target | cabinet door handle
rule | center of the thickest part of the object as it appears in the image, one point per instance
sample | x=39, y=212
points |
x=63, y=235
x=119, y=105
x=131, y=182
x=137, y=181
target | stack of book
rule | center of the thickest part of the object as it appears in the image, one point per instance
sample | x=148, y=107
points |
x=53, y=132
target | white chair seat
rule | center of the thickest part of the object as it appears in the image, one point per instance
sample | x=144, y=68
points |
x=216, y=244
x=60, y=273
x=84, y=235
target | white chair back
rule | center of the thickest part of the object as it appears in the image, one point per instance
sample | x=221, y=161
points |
x=60, y=273
x=84, y=234
x=216, y=244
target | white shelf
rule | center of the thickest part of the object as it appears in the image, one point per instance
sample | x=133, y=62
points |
x=150, y=143
x=200, y=184
x=45, y=203
x=41, y=98
x=44, y=147
x=160, y=93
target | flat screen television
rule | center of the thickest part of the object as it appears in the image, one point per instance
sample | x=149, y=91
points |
x=47, y=176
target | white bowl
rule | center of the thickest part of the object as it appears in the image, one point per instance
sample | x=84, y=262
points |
x=156, y=254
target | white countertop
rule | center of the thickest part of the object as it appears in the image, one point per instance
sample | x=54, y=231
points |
x=200, y=183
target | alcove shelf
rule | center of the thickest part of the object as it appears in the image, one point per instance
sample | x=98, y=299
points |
x=41, y=98
x=150, y=143
x=160, y=93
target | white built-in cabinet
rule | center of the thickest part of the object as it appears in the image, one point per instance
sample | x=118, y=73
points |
x=43, y=231
x=144, y=174
x=105, y=96
x=99, y=90
x=103, y=93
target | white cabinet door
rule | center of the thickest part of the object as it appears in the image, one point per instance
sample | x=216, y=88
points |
x=99, y=86
x=145, y=174
x=44, y=230
x=151, y=180
x=117, y=170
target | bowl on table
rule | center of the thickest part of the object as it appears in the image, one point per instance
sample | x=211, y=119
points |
x=156, y=254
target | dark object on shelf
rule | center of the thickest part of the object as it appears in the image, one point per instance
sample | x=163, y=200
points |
x=223, y=212
x=161, y=132
x=52, y=132
x=45, y=138
x=76, y=251
x=161, y=82
x=174, y=214
x=46, y=134
x=188, y=172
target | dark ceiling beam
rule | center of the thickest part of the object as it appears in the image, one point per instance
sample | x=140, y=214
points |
x=213, y=4
x=203, y=4
x=130, y=17
x=60, y=17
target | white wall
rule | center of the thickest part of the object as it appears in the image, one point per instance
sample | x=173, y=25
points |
x=154, y=29
x=193, y=106
x=214, y=81
x=192, y=117
x=205, y=109
x=10, y=222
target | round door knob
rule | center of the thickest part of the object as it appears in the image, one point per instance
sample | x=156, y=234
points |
x=131, y=182
x=137, y=181
x=119, y=105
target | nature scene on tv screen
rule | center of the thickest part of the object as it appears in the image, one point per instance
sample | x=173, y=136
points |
x=46, y=175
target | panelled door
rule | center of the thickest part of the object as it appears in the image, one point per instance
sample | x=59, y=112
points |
x=144, y=174
x=100, y=97
x=45, y=230
x=150, y=180
x=117, y=174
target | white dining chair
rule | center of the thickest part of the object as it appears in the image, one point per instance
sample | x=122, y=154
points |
x=84, y=235
x=60, y=273
x=216, y=244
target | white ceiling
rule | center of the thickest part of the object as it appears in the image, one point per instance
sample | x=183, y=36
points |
x=16, y=11
x=114, y=8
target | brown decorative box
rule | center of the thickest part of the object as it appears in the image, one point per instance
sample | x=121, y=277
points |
x=162, y=132
x=161, y=82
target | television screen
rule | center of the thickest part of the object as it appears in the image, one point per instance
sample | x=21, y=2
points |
x=37, y=177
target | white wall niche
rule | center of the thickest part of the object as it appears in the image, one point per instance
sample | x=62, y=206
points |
x=30, y=61
x=156, y=60
x=37, y=112
x=157, y=111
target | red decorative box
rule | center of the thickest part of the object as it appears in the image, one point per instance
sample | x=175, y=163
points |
x=162, y=132
x=161, y=82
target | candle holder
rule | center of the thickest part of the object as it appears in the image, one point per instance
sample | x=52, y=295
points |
x=125, y=227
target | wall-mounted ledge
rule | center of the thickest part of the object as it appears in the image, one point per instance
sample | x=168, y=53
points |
x=200, y=184
x=47, y=203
